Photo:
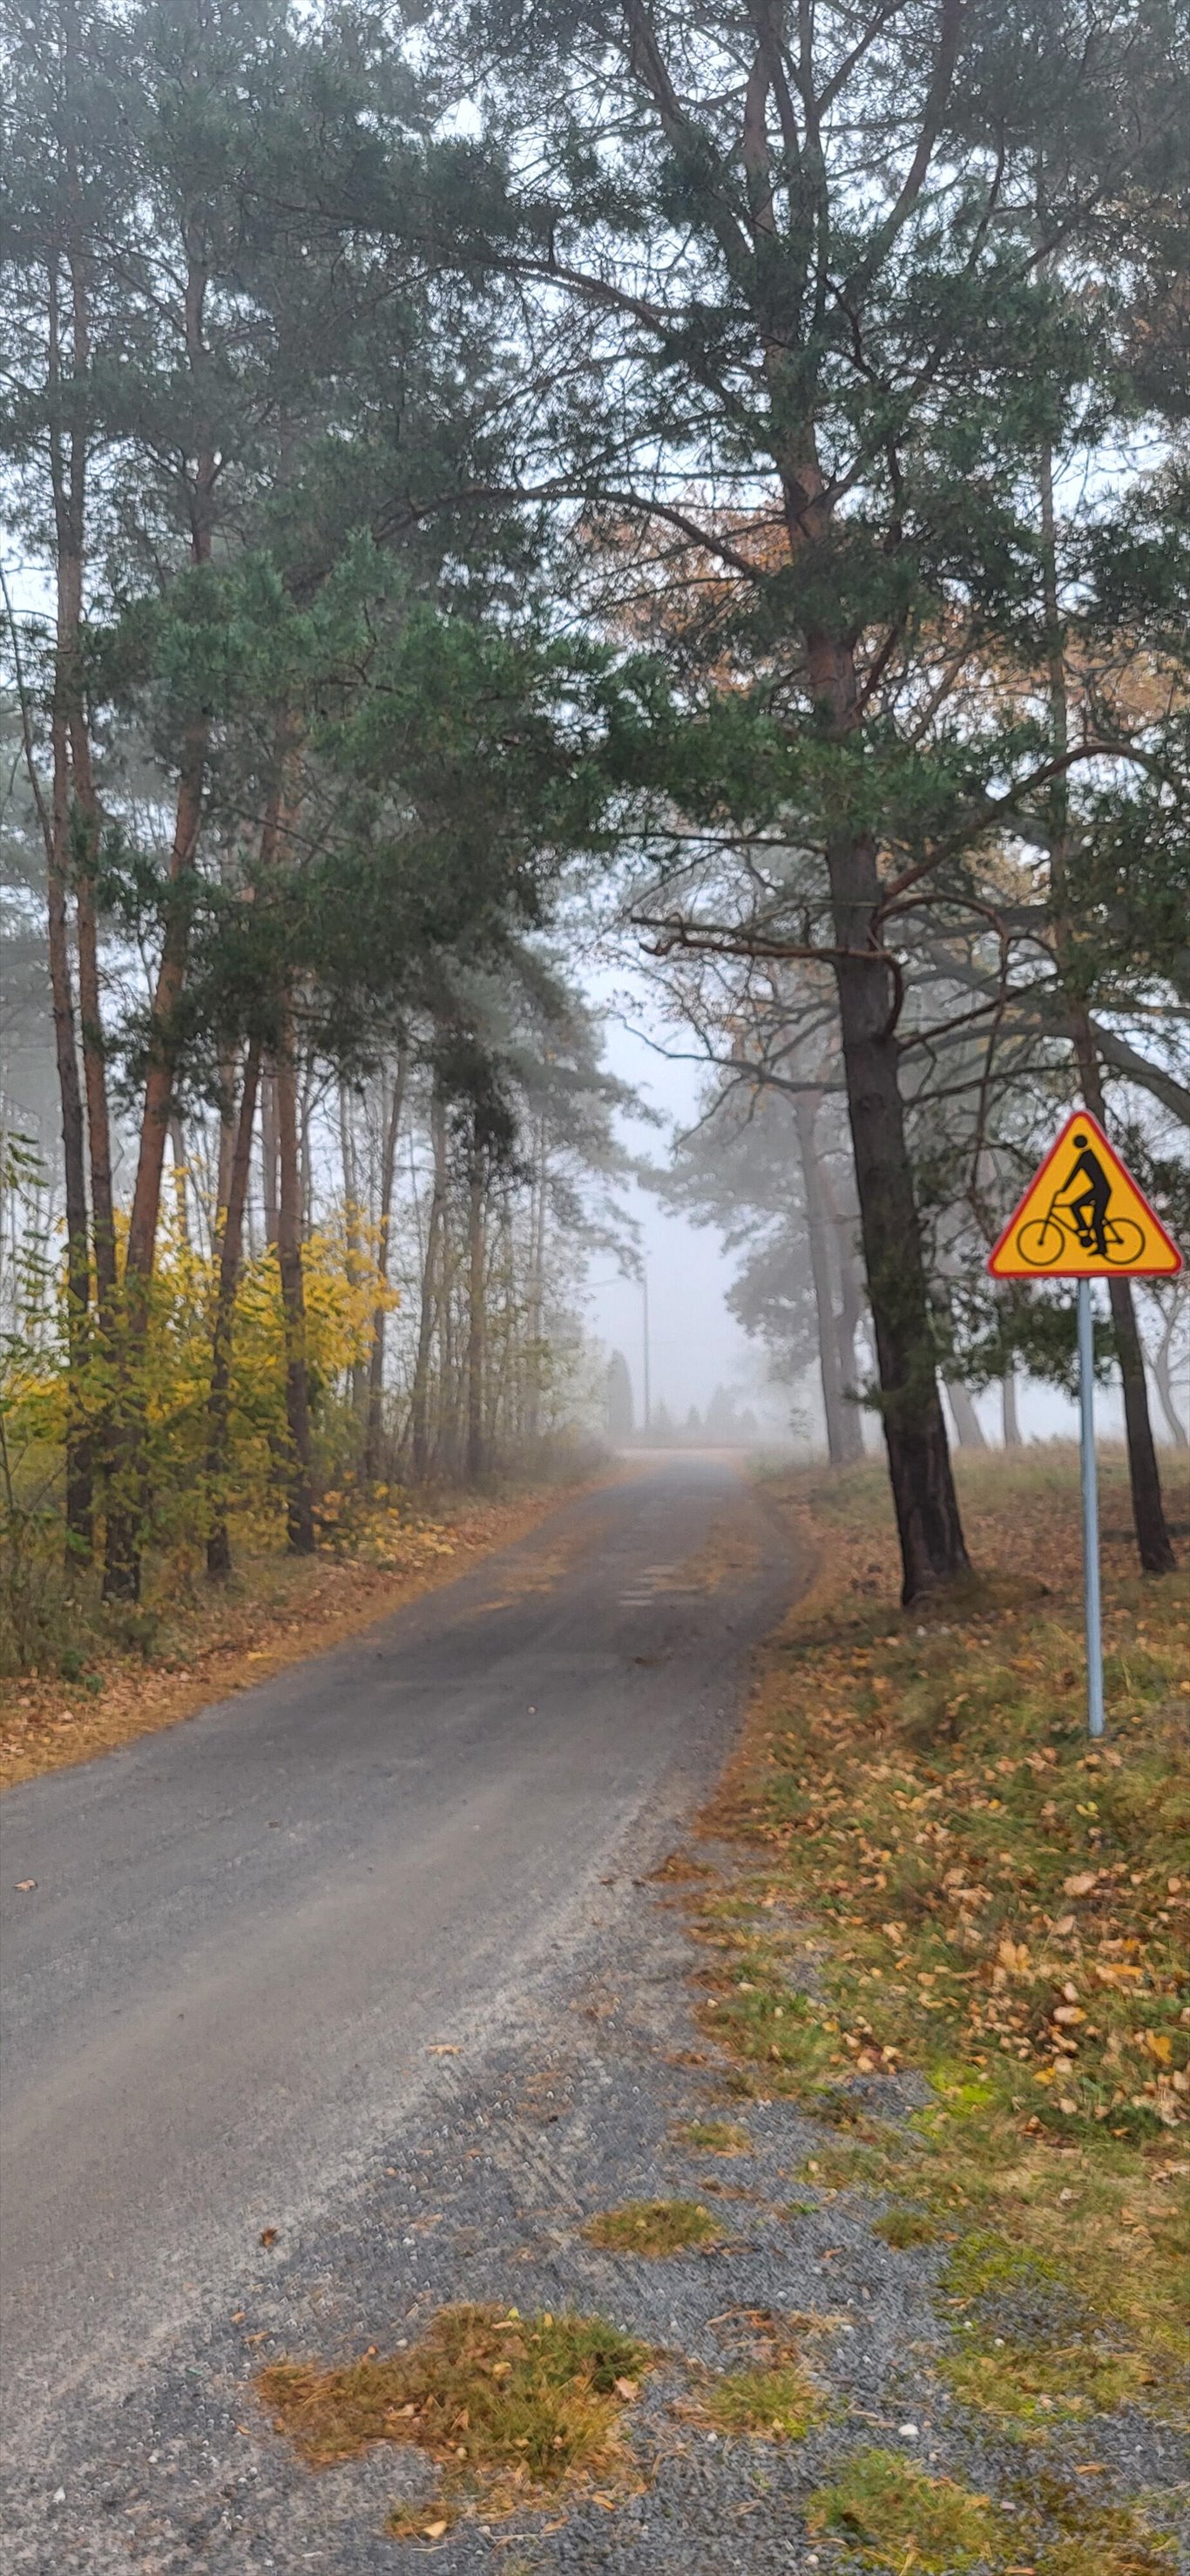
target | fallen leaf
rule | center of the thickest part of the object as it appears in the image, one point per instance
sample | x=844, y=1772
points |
x=435, y=2530
x=1081, y=1884
x=24, y=1886
x=268, y=2235
x=1159, y=2045
x=442, y=2048
x=626, y=2388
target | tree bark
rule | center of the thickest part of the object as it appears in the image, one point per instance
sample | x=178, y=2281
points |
x=388, y=1165
x=419, y=1407
x=300, y=1494
x=230, y=1257
x=933, y=1551
x=476, y=1318
x=805, y=1116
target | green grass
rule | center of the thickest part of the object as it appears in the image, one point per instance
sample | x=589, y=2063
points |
x=893, y=2514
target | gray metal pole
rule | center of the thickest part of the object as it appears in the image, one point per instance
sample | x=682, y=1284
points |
x=1086, y=1401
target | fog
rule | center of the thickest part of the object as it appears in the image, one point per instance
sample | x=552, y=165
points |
x=695, y=1343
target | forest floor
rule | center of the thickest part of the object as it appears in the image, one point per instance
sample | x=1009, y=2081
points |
x=192, y=1642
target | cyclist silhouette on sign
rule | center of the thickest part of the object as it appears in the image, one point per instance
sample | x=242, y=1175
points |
x=1090, y=1207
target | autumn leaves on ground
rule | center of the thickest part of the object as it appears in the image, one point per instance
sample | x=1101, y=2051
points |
x=921, y=1886
x=942, y=1874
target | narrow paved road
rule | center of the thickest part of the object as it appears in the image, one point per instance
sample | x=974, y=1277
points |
x=249, y=1933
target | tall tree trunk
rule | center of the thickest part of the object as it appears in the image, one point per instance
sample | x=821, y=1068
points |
x=228, y=1133
x=966, y=1420
x=388, y=1165
x=535, y=1314
x=230, y=1257
x=72, y=529
x=444, y=1447
x=128, y=1500
x=268, y=1154
x=419, y=1408
x=177, y=1144
x=933, y=1551
x=358, y=1374
x=57, y=832
x=300, y=1497
x=1154, y=1545
x=805, y=1115
x=476, y=1317
x=848, y=1318
x=1009, y=1416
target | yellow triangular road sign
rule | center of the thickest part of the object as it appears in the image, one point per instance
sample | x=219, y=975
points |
x=1083, y=1217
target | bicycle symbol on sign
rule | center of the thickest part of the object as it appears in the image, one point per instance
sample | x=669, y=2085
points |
x=1043, y=1239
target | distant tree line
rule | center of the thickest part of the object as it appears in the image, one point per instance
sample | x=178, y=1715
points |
x=731, y=469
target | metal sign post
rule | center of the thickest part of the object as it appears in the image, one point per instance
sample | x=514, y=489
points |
x=1084, y=1217
x=1090, y=1483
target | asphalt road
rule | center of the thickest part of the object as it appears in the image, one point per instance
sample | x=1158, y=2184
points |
x=250, y=1933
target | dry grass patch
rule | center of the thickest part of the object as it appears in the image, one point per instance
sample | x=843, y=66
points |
x=780, y=2403
x=510, y=2409
x=652, y=2227
x=712, y=2137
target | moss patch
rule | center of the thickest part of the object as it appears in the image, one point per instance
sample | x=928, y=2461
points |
x=652, y=2227
x=892, y=2513
x=506, y=2406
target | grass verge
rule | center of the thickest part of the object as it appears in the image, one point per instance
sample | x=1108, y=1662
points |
x=510, y=2410
x=191, y=1643
x=940, y=1873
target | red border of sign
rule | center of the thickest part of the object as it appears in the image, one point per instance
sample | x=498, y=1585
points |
x=1148, y=1270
